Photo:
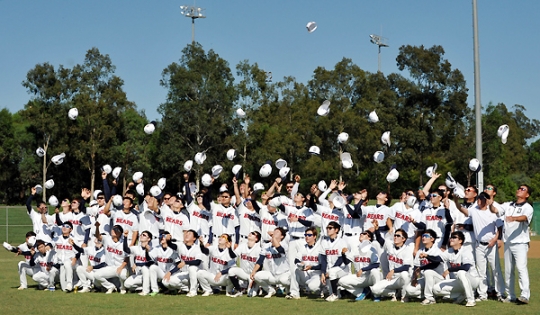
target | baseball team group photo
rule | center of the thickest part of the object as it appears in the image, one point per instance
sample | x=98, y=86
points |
x=255, y=164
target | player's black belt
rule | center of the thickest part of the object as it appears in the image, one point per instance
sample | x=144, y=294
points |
x=350, y=234
x=295, y=237
x=266, y=241
x=243, y=236
x=484, y=243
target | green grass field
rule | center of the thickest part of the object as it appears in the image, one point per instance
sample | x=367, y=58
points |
x=31, y=300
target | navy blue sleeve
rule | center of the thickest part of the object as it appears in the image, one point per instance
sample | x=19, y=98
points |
x=29, y=203
x=210, y=236
x=371, y=266
x=58, y=221
x=237, y=234
x=256, y=206
x=99, y=266
x=349, y=198
x=32, y=261
x=324, y=262
x=448, y=217
x=195, y=262
x=82, y=205
x=106, y=190
x=205, y=250
x=345, y=260
x=189, y=198
x=126, y=247
x=297, y=261
x=379, y=237
x=175, y=269
x=432, y=265
x=78, y=249
x=446, y=235
x=207, y=199
x=260, y=261
x=402, y=268
x=465, y=267
x=172, y=245
x=232, y=253
x=420, y=225
x=305, y=222
x=316, y=267
x=280, y=249
x=225, y=271
x=86, y=236
x=339, y=262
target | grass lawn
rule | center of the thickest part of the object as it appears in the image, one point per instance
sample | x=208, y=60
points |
x=31, y=300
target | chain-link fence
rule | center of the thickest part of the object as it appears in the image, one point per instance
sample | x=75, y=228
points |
x=14, y=223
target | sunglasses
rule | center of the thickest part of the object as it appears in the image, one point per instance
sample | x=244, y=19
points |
x=167, y=198
x=100, y=198
x=426, y=235
x=410, y=194
x=434, y=195
x=74, y=202
x=226, y=197
x=397, y=235
x=488, y=188
x=144, y=235
x=289, y=187
x=453, y=237
x=522, y=188
x=225, y=237
x=67, y=226
x=308, y=235
x=329, y=228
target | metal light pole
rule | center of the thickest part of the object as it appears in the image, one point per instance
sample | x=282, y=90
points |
x=192, y=12
x=379, y=41
x=477, y=103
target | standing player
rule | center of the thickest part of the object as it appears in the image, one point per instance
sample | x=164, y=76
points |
x=439, y=218
x=174, y=221
x=224, y=219
x=41, y=229
x=248, y=215
x=126, y=219
x=517, y=217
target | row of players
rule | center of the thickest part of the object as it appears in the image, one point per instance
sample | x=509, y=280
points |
x=210, y=220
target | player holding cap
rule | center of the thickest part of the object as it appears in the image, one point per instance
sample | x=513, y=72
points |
x=247, y=253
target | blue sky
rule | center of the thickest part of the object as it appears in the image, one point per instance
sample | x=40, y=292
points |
x=143, y=37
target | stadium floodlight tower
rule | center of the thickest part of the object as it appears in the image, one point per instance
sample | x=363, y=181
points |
x=379, y=41
x=192, y=12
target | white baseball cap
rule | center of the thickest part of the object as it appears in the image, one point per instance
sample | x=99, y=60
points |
x=343, y=137
x=140, y=189
x=216, y=170
x=49, y=184
x=459, y=190
x=474, y=165
x=31, y=241
x=393, y=175
x=40, y=152
x=240, y=112
x=155, y=191
x=58, y=159
x=39, y=189
x=314, y=150
x=137, y=176
x=265, y=170
x=188, y=165
x=161, y=183
x=430, y=170
x=93, y=203
x=450, y=181
x=231, y=154
x=322, y=186
x=503, y=132
x=117, y=200
x=324, y=109
x=378, y=156
x=385, y=138
x=107, y=168
x=311, y=27
x=200, y=157
x=73, y=113
x=116, y=172
x=274, y=202
x=338, y=201
x=411, y=201
x=284, y=171
x=53, y=201
x=206, y=180
x=258, y=186
x=373, y=118
x=96, y=193
x=150, y=128
x=346, y=160
x=281, y=163
x=223, y=188
x=236, y=169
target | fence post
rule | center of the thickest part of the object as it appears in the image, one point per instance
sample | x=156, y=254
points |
x=7, y=225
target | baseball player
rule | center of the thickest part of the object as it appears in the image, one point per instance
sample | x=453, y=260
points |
x=224, y=219
x=200, y=218
x=271, y=219
x=353, y=216
x=307, y=271
x=41, y=263
x=400, y=260
x=65, y=256
x=439, y=218
x=175, y=222
x=24, y=267
x=248, y=215
x=517, y=217
x=333, y=266
x=126, y=219
x=166, y=259
x=140, y=261
x=150, y=217
x=365, y=259
x=247, y=253
x=486, y=236
x=114, y=257
x=96, y=258
x=429, y=264
x=191, y=262
x=496, y=287
x=222, y=258
x=278, y=267
x=463, y=222
x=464, y=278
x=409, y=219
x=42, y=230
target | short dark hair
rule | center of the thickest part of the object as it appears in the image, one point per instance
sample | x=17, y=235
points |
x=195, y=234
x=431, y=233
x=370, y=235
x=335, y=225
x=130, y=192
x=459, y=235
x=529, y=190
x=402, y=231
x=128, y=198
x=118, y=229
x=283, y=232
x=39, y=243
x=29, y=234
x=313, y=230
x=484, y=195
x=257, y=235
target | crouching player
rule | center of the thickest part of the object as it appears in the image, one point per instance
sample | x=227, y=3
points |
x=308, y=261
x=400, y=260
x=96, y=258
x=248, y=253
x=365, y=258
x=464, y=278
x=41, y=263
x=221, y=257
x=115, y=259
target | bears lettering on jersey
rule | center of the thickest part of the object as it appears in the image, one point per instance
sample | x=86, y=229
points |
x=94, y=258
x=64, y=247
x=403, y=217
x=433, y=218
x=174, y=221
x=114, y=251
x=332, y=252
x=395, y=259
x=248, y=258
x=362, y=259
x=251, y=217
x=225, y=215
x=375, y=216
x=164, y=260
x=123, y=221
x=310, y=258
x=268, y=222
x=187, y=258
x=201, y=215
